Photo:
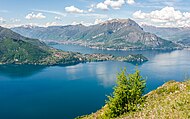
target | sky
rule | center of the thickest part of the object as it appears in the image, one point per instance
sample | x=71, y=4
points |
x=164, y=13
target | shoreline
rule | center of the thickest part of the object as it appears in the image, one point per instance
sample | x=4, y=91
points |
x=53, y=42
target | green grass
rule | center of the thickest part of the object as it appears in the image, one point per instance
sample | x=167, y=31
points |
x=170, y=101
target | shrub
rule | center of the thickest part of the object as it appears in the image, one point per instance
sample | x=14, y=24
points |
x=127, y=95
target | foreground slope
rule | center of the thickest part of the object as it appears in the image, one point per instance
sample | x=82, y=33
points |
x=112, y=34
x=170, y=101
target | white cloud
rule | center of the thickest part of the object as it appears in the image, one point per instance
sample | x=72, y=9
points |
x=130, y=2
x=81, y=22
x=35, y=16
x=102, y=6
x=73, y=9
x=92, y=5
x=114, y=4
x=97, y=21
x=15, y=20
x=51, y=12
x=90, y=10
x=2, y=20
x=52, y=24
x=57, y=18
x=167, y=16
x=75, y=23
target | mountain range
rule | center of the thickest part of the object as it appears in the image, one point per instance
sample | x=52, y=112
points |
x=179, y=35
x=17, y=49
x=122, y=34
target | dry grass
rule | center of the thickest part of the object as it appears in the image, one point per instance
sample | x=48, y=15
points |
x=170, y=101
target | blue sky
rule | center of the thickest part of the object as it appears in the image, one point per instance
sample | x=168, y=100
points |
x=89, y=12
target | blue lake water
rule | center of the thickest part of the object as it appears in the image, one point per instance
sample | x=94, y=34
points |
x=37, y=92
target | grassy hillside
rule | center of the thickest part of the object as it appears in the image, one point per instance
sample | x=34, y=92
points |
x=12, y=50
x=170, y=101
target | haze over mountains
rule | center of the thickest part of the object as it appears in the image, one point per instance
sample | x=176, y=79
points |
x=177, y=34
x=112, y=34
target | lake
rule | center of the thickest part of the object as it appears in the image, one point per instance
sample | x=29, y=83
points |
x=55, y=92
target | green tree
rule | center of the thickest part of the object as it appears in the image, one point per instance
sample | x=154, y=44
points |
x=127, y=95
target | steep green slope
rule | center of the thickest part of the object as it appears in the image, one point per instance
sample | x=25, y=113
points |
x=170, y=101
x=15, y=48
x=12, y=51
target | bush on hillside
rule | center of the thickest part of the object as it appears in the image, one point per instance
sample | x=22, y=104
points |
x=127, y=95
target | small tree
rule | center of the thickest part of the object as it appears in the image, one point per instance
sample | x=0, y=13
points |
x=127, y=94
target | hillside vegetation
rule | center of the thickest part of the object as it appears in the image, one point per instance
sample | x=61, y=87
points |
x=169, y=101
x=17, y=49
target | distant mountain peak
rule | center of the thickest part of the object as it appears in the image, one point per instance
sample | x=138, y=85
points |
x=29, y=26
x=124, y=21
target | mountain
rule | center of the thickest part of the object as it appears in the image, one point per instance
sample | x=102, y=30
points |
x=17, y=49
x=177, y=34
x=51, y=32
x=113, y=34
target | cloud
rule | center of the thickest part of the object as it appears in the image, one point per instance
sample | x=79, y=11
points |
x=82, y=22
x=114, y=4
x=166, y=16
x=32, y=15
x=15, y=20
x=102, y=6
x=73, y=9
x=52, y=24
x=51, y=12
x=97, y=21
x=130, y=2
x=57, y=18
x=2, y=20
x=90, y=10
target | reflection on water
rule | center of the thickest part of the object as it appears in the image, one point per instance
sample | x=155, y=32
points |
x=19, y=71
x=174, y=65
x=66, y=92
